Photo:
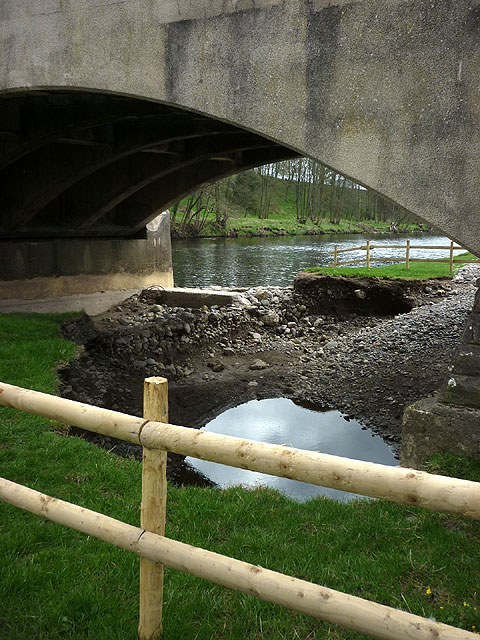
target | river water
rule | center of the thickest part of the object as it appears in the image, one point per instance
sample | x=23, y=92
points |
x=244, y=262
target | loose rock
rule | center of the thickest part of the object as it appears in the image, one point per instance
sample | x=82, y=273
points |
x=258, y=365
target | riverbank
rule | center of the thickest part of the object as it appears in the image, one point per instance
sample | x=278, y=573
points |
x=55, y=582
x=340, y=360
x=283, y=224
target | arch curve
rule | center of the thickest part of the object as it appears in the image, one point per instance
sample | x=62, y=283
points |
x=386, y=92
x=108, y=164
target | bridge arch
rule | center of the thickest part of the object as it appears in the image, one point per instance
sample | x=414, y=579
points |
x=85, y=164
x=386, y=93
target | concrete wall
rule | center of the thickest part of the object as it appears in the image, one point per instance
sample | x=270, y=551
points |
x=34, y=270
x=386, y=92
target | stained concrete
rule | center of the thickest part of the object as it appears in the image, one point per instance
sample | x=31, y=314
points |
x=93, y=304
x=59, y=268
x=431, y=427
x=385, y=92
x=96, y=303
x=449, y=421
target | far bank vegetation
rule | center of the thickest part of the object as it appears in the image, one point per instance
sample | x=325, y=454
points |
x=290, y=197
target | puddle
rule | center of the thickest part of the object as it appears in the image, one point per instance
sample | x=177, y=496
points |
x=281, y=421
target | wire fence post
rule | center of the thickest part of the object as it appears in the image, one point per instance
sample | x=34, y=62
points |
x=407, y=257
x=153, y=511
x=451, y=256
x=335, y=253
x=368, y=254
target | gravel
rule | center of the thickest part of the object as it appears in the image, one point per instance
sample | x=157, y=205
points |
x=368, y=367
x=373, y=373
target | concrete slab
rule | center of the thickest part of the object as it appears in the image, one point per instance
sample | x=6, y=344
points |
x=93, y=303
x=96, y=303
x=196, y=298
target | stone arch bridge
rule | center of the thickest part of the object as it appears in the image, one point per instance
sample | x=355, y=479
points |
x=111, y=110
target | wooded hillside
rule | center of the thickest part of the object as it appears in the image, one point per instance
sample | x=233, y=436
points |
x=301, y=189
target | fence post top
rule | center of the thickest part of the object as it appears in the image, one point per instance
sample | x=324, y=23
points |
x=155, y=380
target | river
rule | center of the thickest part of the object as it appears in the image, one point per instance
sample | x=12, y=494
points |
x=243, y=262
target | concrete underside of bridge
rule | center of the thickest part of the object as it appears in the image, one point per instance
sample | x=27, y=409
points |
x=82, y=173
x=111, y=111
x=86, y=165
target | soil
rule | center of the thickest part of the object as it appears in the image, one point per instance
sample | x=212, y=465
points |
x=363, y=296
x=281, y=345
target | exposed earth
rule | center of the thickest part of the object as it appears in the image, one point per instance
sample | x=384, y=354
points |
x=284, y=342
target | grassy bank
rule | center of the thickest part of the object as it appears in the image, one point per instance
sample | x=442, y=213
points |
x=417, y=270
x=56, y=583
x=297, y=197
x=284, y=222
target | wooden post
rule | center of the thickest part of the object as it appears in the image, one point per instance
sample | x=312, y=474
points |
x=368, y=254
x=335, y=251
x=154, y=499
x=407, y=258
x=451, y=256
x=397, y=484
x=352, y=612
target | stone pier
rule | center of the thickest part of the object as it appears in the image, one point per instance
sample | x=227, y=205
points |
x=32, y=270
x=450, y=420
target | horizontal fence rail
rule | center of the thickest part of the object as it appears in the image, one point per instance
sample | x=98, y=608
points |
x=379, y=621
x=397, y=484
x=369, y=247
x=392, y=483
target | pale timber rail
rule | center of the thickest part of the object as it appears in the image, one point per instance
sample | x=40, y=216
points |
x=397, y=484
x=369, y=258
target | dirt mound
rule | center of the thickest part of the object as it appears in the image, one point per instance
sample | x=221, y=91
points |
x=364, y=296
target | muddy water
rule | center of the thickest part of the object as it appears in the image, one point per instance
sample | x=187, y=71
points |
x=280, y=421
x=243, y=262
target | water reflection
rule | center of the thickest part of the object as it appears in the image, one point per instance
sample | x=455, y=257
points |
x=280, y=421
x=242, y=262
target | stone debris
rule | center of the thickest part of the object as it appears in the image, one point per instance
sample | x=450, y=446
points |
x=216, y=365
x=369, y=367
x=258, y=365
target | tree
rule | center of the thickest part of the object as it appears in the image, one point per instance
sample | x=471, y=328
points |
x=318, y=193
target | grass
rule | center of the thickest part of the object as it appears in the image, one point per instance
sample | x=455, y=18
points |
x=280, y=222
x=284, y=222
x=56, y=583
x=417, y=270
x=243, y=217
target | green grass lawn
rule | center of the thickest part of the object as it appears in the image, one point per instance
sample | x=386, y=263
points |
x=417, y=270
x=56, y=583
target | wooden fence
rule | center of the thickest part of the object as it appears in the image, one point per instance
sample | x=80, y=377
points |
x=369, y=247
x=156, y=436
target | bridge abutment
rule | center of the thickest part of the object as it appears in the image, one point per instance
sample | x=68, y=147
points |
x=52, y=268
x=449, y=421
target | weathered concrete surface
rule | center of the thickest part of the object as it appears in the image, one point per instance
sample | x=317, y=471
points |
x=385, y=92
x=93, y=304
x=450, y=422
x=197, y=298
x=45, y=269
x=100, y=302
x=462, y=385
x=431, y=427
